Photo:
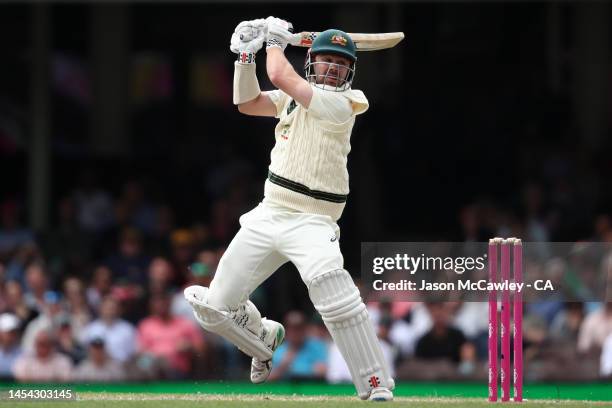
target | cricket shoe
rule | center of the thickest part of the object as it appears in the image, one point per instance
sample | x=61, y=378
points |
x=380, y=394
x=273, y=336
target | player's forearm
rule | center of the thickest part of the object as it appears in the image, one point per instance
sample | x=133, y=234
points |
x=246, y=86
x=277, y=66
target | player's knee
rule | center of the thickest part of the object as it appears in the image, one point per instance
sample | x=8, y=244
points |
x=335, y=296
x=322, y=267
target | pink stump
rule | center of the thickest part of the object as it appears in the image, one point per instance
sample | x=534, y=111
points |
x=518, y=323
x=493, y=321
x=505, y=322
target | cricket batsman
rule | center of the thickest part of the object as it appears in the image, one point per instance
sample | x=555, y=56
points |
x=304, y=196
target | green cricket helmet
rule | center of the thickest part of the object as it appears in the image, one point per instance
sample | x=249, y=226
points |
x=335, y=42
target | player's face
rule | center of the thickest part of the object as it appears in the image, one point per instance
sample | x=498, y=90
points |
x=333, y=71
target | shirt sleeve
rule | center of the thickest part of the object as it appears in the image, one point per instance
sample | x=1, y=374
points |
x=279, y=99
x=330, y=106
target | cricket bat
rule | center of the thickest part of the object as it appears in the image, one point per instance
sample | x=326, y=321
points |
x=363, y=42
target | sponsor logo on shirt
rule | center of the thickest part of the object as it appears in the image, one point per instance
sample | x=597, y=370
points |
x=285, y=132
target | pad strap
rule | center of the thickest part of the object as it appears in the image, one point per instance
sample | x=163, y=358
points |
x=243, y=327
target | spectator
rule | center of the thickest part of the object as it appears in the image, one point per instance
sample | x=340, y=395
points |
x=137, y=211
x=201, y=235
x=119, y=336
x=67, y=246
x=300, y=356
x=199, y=273
x=318, y=330
x=420, y=322
x=555, y=270
x=161, y=275
x=603, y=227
x=100, y=286
x=10, y=350
x=16, y=304
x=472, y=320
x=164, y=224
x=605, y=367
x=94, y=206
x=444, y=341
x=37, y=285
x=99, y=366
x=67, y=343
x=48, y=319
x=403, y=334
x=3, y=305
x=535, y=333
x=594, y=330
x=182, y=241
x=567, y=324
x=129, y=263
x=390, y=352
x=172, y=338
x=76, y=304
x=472, y=230
x=131, y=298
x=210, y=259
x=25, y=255
x=44, y=364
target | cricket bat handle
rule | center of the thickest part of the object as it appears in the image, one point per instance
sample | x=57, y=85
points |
x=303, y=39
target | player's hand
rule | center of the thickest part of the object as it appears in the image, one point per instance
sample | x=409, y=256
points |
x=250, y=29
x=248, y=37
x=280, y=33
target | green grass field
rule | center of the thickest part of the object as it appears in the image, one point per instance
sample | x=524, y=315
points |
x=307, y=395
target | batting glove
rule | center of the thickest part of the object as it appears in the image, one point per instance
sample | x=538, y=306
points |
x=247, y=39
x=280, y=33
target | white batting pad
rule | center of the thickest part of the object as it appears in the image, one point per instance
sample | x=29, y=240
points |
x=242, y=327
x=337, y=299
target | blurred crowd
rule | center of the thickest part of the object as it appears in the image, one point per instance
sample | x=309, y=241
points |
x=468, y=137
x=98, y=297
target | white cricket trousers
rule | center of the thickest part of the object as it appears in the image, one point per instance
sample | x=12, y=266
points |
x=270, y=236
